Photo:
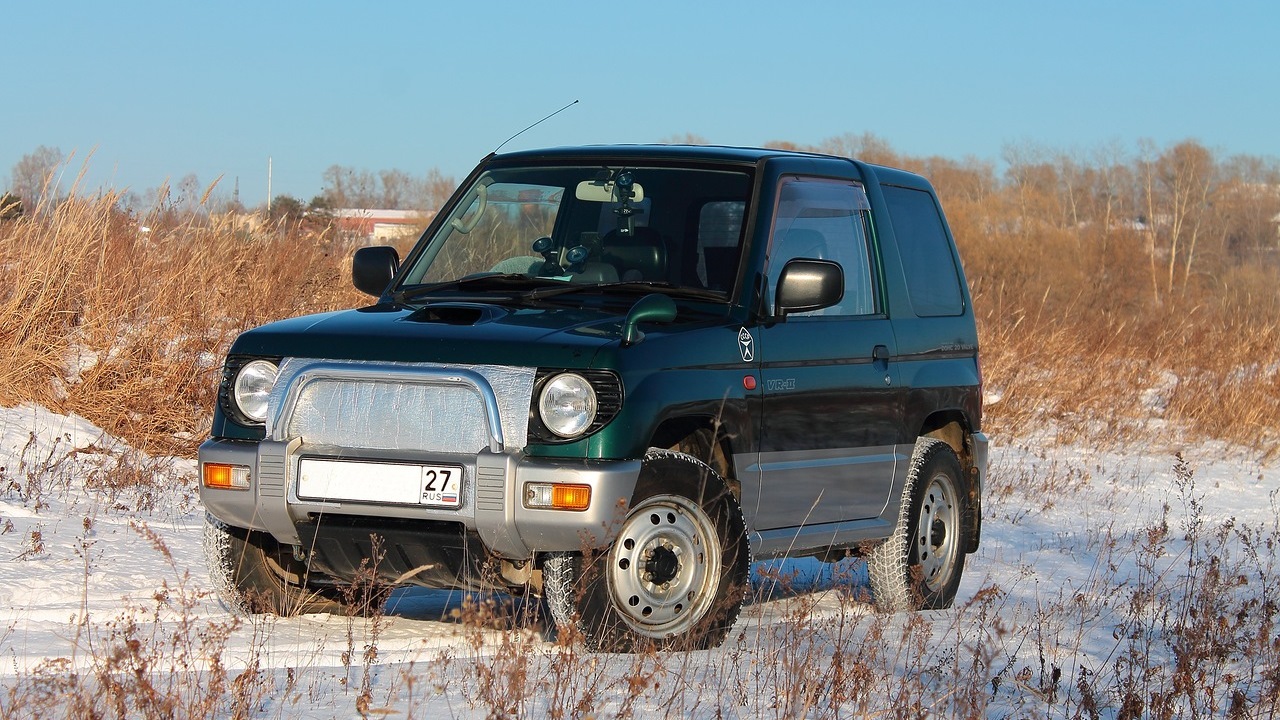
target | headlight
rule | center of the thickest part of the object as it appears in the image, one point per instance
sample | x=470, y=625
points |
x=567, y=405
x=252, y=388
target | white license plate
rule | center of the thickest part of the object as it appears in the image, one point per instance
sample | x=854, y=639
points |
x=380, y=482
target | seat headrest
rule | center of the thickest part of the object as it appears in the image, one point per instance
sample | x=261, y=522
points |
x=802, y=242
x=640, y=255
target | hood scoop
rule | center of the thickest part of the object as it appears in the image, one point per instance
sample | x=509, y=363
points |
x=457, y=314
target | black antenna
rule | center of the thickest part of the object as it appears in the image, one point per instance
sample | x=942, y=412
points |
x=513, y=137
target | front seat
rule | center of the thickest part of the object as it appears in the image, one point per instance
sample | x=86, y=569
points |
x=640, y=255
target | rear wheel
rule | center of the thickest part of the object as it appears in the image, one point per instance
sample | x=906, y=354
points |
x=675, y=576
x=252, y=573
x=920, y=565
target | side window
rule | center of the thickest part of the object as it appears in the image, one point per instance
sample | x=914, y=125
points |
x=825, y=220
x=933, y=281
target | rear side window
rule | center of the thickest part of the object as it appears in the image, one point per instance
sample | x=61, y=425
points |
x=933, y=280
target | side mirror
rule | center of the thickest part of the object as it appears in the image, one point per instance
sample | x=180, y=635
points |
x=373, y=267
x=808, y=285
x=655, y=308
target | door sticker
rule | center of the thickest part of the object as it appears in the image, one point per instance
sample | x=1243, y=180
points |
x=746, y=345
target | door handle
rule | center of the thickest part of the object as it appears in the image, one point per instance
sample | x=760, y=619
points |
x=880, y=353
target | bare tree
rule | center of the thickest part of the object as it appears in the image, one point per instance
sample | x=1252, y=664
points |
x=684, y=139
x=398, y=189
x=1179, y=186
x=867, y=146
x=346, y=187
x=1034, y=179
x=188, y=193
x=1248, y=205
x=436, y=189
x=1110, y=178
x=1147, y=175
x=33, y=175
x=970, y=179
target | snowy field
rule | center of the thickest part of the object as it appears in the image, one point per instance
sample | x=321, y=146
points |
x=1105, y=579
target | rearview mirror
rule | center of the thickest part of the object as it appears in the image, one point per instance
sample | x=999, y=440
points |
x=606, y=191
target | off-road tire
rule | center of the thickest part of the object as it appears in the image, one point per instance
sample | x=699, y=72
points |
x=254, y=574
x=685, y=529
x=919, y=567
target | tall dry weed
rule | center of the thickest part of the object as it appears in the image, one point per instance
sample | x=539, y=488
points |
x=124, y=319
x=1072, y=340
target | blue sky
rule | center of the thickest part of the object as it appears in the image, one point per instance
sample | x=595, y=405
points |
x=160, y=90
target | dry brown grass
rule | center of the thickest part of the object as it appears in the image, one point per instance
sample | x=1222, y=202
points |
x=127, y=326
x=1072, y=339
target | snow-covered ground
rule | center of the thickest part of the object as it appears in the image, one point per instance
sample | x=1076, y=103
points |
x=1092, y=563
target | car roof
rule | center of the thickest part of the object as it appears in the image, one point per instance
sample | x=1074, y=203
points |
x=691, y=153
x=686, y=152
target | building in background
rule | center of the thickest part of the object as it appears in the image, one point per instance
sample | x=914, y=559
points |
x=379, y=226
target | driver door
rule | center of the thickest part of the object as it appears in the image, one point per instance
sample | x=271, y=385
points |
x=831, y=400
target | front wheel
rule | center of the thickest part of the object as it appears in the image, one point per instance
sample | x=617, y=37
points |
x=919, y=566
x=675, y=576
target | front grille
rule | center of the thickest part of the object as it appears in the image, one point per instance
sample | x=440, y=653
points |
x=389, y=416
x=401, y=406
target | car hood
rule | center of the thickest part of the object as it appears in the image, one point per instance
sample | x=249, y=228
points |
x=446, y=332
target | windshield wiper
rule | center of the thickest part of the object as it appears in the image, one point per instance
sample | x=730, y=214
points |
x=628, y=287
x=543, y=288
x=488, y=281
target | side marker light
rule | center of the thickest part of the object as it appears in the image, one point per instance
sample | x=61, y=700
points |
x=557, y=496
x=225, y=477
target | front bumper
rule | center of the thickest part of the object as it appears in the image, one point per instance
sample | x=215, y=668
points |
x=469, y=417
x=492, y=506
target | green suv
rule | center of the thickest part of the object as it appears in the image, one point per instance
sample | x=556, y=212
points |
x=609, y=377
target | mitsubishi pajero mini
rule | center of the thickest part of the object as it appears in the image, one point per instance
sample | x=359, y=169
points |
x=610, y=377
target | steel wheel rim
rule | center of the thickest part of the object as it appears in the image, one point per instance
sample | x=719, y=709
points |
x=663, y=566
x=937, y=538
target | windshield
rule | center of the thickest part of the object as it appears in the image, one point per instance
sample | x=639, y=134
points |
x=675, y=228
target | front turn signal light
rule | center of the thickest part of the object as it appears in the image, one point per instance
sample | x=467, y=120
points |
x=226, y=477
x=557, y=496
